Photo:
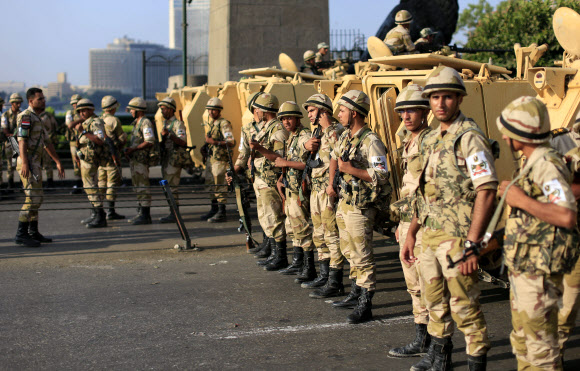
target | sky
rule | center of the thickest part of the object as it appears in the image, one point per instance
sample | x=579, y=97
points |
x=67, y=29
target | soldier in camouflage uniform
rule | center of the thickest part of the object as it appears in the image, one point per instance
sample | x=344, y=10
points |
x=32, y=138
x=50, y=125
x=110, y=172
x=536, y=254
x=72, y=119
x=413, y=109
x=425, y=44
x=8, y=127
x=322, y=51
x=361, y=159
x=399, y=39
x=456, y=196
x=140, y=153
x=175, y=155
x=309, y=65
x=92, y=153
x=220, y=138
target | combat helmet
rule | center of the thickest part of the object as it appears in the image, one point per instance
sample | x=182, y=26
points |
x=266, y=102
x=444, y=79
x=318, y=100
x=403, y=17
x=75, y=99
x=308, y=55
x=15, y=98
x=411, y=97
x=289, y=108
x=427, y=31
x=214, y=103
x=526, y=120
x=138, y=104
x=357, y=101
x=253, y=99
x=109, y=102
x=85, y=104
x=322, y=45
x=167, y=102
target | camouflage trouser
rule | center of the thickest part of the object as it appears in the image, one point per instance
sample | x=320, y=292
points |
x=534, y=303
x=568, y=307
x=355, y=227
x=415, y=285
x=32, y=190
x=173, y=176
x=47, y=164
x=7, y=153
x=109, y=178
x=449, y=295
x=74, y=157
x=325, y=233
x=89, y=176
x=140, y=178
x=215, y=173
x=270, y=214
x=298, y=217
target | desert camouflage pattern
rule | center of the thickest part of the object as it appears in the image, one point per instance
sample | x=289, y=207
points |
x=8, y=122
x=215, y=179
x=174, y=156
x=568, y=305
x=320, y=175
x=318, y=57
x=93, y=153
x=298, y=217
x=140, y=179
x=109, y=175
x=142, y=132
x=220, y=130
x=525, y=116
x=71, y=136
x=272, y=137
x=413, y=280
x=50, y=125
x=270, y=213
x=249, y=129
x=399, y=41
x=295, y=151
x=444, y=79
x=89, y=171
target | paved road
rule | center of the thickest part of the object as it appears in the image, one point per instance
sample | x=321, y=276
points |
x=123, y=298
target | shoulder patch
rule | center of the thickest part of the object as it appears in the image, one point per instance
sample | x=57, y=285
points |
x=478, y=165
x=379, y=163
x=559, y=131
x=553, y=191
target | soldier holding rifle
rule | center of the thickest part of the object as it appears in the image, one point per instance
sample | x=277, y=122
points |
x=8, y=128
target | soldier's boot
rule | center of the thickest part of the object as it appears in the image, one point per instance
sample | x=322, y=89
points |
x=130, y=220
x=442, y=348
x=427, y=361
x=308, y=272
x=362, y=312
x=280, y=259
x=333, y=287
x=212, y=211
x=418, y=347
x=267, y=250
x=260, y=246
x=100, y=220
x=22, y=236
x=220, y=216
x=351, y=300
x=111, y=213
x=78, y=188
x=297, y=261
x=91, y=217
x=11, y=185
x=144, y=217
x=273, y=247
x=477, y=363
x=168, y=219
x=35, y=234
x=324, y=267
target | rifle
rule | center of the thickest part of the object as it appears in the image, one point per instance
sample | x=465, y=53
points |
x=113, y=150
x=458, y=49
x=344, y=158
x=284, y=180
x=332, y=63
x=312, y=161
x=494, y=243
x=252, y=158
x=16, y=153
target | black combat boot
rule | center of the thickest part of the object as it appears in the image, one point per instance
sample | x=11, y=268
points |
x=267, y=250
x=333, y=287
x=260, y=246
x=273, y=247
x=144, y=217
x=22, y=236
x=280, y=259
x=111, y=213
x=417, y=347
x=438, y=356
x=130, y=220
x=362, y=312
x=220, y=216
x=427, y=361
x=100, y=220
x=168, y=219
x=35, y=234
x=78, y=188
x=477, y=363
x=212, y=211
x=351, y=299
x=308, y=272
x=297, y=261
x=324, y=267
x=91, y=217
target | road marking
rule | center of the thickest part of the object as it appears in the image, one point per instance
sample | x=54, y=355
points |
x=226, y=335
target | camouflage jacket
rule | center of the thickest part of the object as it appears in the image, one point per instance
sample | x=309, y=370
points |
x=93, y=153
x=114, y=129
x=532, y=245
x=9, y=120
x=455, y=164
x=50, y=125
x=30, y=129
x=175, y=155
x=320, y=175
x=142, y=132
x=295, y=151
x=318, y=57
x=399, y=41
x=244, y=150
x=219, y=130
x=71, y=134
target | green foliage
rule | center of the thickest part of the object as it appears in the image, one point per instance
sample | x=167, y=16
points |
x=471, y=15
x=518, y=21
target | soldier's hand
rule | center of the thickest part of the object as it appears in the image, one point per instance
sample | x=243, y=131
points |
x=164, y=132
x=229, y=179
x=330, y=191
x=209, y=140
x=25, y=171
x=60, y=170
x=407, y=254
x=78, y=126
x=514, y=195
x=468, y=266
x=280, y=162
x=344, y=166
x=312, y=145
x=255, y=145
x=280, y=187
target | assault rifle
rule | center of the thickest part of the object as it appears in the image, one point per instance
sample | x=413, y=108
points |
x=494, y=243
x=458, y=49
x=284, y=180
x=332, y=63
x=252, y=158
x=113, y=150
x=311, y=162
x=16, y=153
x=344, y=158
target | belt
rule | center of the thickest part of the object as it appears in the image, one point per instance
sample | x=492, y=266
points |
x=432, y=223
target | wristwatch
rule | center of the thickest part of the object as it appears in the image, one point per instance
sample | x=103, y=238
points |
x=470, y=245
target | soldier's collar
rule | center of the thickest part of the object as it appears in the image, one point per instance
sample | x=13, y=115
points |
x=538, y=152
x=454, y=127
x=360, y=131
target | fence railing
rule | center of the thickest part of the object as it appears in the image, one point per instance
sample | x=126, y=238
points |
x=346, y=43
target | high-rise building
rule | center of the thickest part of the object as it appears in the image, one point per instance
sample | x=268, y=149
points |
x=59, y=89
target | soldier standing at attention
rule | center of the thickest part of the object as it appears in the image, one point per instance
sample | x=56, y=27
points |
x=399, y=39
x=322, y=52
x=72, y=119
x=32, y=138
x=361, y=159
x=8, y=127
x=138, y=152
x=174, y=142
x=220, y=138
x=50, y=125
x=92, y=152
x=456, y=197
x=413, y=109
x=110, y=170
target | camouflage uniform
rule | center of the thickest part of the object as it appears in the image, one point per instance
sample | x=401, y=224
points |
x=9, y=123
x=109, y=173
x=399, y=41
x=93, y=154
x=175, y=156
x=50, y=125
x=139, y=163
x=218, y=161
x=71, y=136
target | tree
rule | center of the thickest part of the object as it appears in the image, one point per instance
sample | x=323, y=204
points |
x=518, y=21
x=470, y=16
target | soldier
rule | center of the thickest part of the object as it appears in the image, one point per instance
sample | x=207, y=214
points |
x=175, y=155
x=309, y=65
x=91, y=141
x=32, y=138
x=8, y=127
x=50, y=125
x=537, y=254
x=361, y=159
x=72, y=119
x=139, y=153
x=322, y=52
x=399, y=39
x=110, y=172
x=413, y=109
x=456, y=194
x=425, y=43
